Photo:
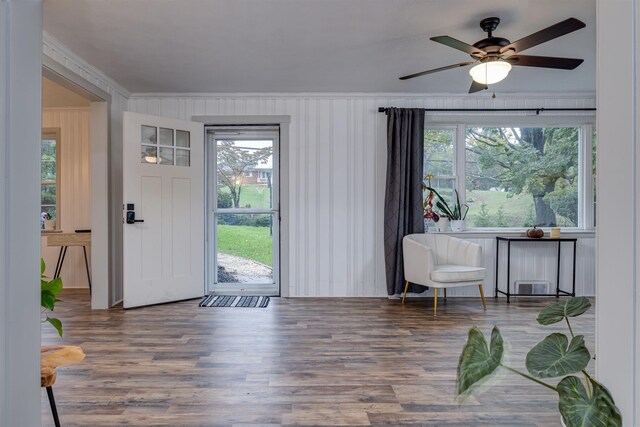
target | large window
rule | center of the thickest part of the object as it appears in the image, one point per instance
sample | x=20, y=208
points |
x=515, y=176
x=49, y=174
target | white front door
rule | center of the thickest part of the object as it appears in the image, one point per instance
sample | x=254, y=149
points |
x=163, y=182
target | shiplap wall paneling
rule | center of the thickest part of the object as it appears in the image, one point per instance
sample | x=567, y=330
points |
x=337, y=164
x=75, y=189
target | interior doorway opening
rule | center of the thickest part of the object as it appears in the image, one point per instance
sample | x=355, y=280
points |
x=75, y=183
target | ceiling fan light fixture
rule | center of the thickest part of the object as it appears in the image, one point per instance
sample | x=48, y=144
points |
x=488, y=73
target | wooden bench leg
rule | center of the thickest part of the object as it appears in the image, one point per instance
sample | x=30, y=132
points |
x=52, y=402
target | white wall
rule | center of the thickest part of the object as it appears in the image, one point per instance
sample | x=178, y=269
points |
x=20, y=63
x=337, y=164
x=119, y=99
x=618, y=249
x=75, y=188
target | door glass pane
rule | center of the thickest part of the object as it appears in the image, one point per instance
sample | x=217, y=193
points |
x=149, y=154
x=245, y=248
x=182, y=139
x=183, y=157
x=166, y=156
x=166, y=137
x=149, y=135
x=245, y=174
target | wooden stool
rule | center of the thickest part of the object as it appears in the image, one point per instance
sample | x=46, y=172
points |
x=51, y=357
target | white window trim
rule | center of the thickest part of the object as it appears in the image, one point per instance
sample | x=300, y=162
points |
x=585, y=123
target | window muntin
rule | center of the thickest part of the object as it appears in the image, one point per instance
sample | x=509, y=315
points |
x=172, y=149
x=518, y=176
x=49, y=175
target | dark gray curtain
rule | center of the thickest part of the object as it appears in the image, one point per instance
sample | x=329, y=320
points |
x=403, y=213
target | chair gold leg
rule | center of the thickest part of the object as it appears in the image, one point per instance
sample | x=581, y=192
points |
x=484, y=303
x=406, y=286
x=435, y=302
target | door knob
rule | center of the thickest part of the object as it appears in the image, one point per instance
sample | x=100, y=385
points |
x=131, y=215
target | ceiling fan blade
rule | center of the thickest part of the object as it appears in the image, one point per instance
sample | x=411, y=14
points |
x=435, y=70
x=477, y=87
x=544, y=61
x=560, y=29
x=460, y=45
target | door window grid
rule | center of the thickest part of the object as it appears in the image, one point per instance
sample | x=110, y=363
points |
x=172, y=148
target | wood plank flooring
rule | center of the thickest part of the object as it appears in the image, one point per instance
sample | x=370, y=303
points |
x=311, y=361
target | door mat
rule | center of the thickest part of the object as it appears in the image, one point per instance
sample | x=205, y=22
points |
x=234, y=301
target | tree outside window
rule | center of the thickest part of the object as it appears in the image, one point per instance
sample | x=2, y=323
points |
x=513, y=176
x=520, y=177
x=49, y=179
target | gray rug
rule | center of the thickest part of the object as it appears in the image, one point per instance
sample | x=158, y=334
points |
x=234, y=301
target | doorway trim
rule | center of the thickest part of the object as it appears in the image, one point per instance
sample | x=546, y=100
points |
x=102, y=226
x=283, y=122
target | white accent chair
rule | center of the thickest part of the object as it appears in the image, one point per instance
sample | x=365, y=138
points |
x=441, y=261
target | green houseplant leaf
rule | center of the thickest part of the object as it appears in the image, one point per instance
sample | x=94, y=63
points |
x=571, y=307
x=479, y=360
x=580, y=410
x=56, y=323
x=54, y=286
x=48, y=291
x=47, y=299
x=555, y=356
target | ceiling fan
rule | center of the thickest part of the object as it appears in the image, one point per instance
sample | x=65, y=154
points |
x=494, y=56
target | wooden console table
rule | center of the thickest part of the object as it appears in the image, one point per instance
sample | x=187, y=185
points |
x=64, y=240
x=559, y=240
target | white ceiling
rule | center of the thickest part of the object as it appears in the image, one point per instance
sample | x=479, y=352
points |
x=56, y=96
x=312, y=45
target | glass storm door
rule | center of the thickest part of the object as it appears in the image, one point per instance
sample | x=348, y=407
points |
x=243, y=217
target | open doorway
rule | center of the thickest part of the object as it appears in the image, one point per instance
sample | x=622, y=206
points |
x=74, y=184
x=65, y=191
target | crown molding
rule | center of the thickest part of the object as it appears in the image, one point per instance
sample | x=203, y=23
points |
x=55, y=49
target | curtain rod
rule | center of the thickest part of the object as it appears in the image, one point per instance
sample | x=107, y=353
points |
x=537, y=110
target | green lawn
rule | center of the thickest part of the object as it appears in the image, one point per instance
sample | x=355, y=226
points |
x=515, y=209
x=246, y=241
x=257, y=196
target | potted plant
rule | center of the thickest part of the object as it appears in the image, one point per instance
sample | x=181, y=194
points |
x=47, y=222
x=555, y=356
x=49, y=289
x=457, y=215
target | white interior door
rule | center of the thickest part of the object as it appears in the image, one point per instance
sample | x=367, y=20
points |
x=163, y=180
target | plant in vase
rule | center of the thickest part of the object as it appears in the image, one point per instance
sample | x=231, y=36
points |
x=46, y=221
x=442, y=222
x=49, y=289
x=457, y=215
x=555, y=356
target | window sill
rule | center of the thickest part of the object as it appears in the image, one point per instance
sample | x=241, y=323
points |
x=50, y=231
x=492, y=233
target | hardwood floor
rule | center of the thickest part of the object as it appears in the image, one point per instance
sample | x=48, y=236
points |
x=306, y=361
